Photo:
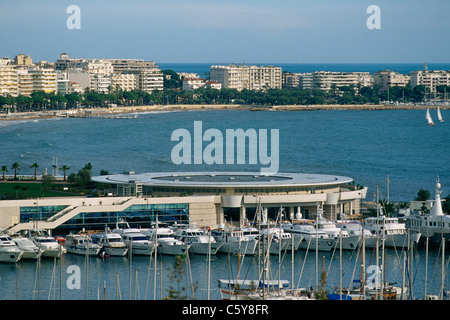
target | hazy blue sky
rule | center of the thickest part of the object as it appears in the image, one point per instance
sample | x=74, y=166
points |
x=258, y=31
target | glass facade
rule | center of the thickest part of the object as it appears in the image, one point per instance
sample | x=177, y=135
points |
x=42, y=213
x=136, y=215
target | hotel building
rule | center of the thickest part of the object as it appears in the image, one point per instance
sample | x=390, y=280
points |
x=242, y=77
x=208, y=199
x=386, y=79
x=430, y=79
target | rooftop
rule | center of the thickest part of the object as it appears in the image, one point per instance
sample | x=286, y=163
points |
x=223, y=179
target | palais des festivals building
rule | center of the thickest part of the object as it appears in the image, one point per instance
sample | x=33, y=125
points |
x=207, y=199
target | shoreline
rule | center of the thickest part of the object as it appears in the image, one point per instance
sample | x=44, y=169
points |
x=114, y=111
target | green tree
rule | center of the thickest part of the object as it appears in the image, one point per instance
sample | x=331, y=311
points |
x=423, y=195
x=4, y=169
x=65, y=169
x=35, y=166
x=16, y=167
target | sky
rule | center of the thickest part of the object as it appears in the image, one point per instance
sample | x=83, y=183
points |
x=229, y=31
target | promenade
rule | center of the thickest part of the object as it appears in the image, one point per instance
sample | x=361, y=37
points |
x=106, y=112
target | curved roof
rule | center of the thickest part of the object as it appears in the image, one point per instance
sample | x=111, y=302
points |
x=223, y=179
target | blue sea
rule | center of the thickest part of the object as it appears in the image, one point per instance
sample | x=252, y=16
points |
x=364, y=145
x=367, y=146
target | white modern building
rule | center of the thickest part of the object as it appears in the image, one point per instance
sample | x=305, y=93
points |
x=208, y=199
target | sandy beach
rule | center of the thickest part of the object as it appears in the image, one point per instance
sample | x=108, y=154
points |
x=116, y=111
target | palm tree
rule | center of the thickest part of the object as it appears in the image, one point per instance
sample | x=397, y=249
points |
x=35, y=166
x=64, y=168
x=4, y=169
x=16, y=168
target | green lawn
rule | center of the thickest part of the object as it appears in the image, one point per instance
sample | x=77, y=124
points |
x=27, y=190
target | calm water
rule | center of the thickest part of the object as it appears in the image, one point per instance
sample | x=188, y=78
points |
x=364, y=145
x=111, y=276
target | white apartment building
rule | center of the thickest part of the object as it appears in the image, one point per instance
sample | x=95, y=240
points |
x=100, y=83
x=190, y=84
x=25, y=82
x=8, y=81
x=44, y=80
x=430, y=79
x=386, y=79
x=242, y=77
x=124, y=81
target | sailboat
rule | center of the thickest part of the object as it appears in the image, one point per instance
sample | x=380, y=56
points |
x=428, y=117
x=439, y=115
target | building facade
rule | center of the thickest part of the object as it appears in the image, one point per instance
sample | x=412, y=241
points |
x=387, y=79
x=207, y=199
x=242, y=77
x=430, y=79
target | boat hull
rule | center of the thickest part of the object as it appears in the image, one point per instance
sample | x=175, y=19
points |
x=172, y=249
x=203, y=248
x=245, y=247
x=10, y=255
x=322, y=245
x=82, y=250
x=115, y=251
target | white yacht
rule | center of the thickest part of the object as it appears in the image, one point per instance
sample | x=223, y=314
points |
x=165, y=240
x=9, y=251
x=336, y=233
x=200, y=242
x=311, y=237
x=81, y=244
x=135, y=240
x=355, y=230
x=111, y=242
x=29, y=248
x=234, y=241
x=389, y=230
x=50, y=246
x=280, y=240
x=434, y=225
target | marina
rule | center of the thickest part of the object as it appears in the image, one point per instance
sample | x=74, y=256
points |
x=418, y=267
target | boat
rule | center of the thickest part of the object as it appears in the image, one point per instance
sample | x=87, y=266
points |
x=338, y=234
x=428, y=117
x=311, y=237
x=200, y=242
x=111, y=242
x=29, y=248
x=135, y=240
x=243, y=289
x=390, y=230
x=234, y=241
x=165, y=241
x=355, y=229
x=439, y=115
x=9, y=251
x=434, y=225
x=81, y=244
x=50, y=246
x=278, y=239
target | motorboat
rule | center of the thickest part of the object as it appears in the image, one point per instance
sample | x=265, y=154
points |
x=50, y=246
x=234, y=241
x=389, y=230
x=135, y=240
x=9, y=251
x=434, y=225
x=355, y=230
x=81, y=244
x=277, y=239
x=165, y=240
x=111, y=242
x=200, y=242
x=311, y=237
x=29, y=248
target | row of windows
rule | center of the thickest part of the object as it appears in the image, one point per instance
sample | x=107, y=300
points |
x=28, y=214
x=429, y=223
